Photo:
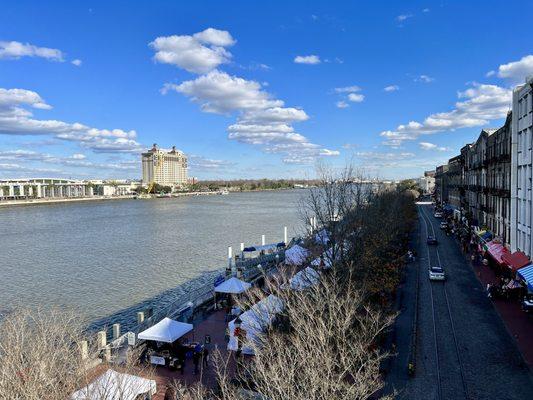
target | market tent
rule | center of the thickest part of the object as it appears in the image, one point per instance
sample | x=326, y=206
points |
x=113, y=385
x=255, y=321
x=322, y=237
x=304, y=279
x=485, y=235
x=233, y=286
x=526, y=274
x=496, y=250
x=296, y=255
x=515, y=260
x=167, y=330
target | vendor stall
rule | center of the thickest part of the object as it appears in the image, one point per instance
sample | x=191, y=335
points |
x=296, y=255
x=304, y=279
x=113, y=385
x=233, y=286
x=515, y=260
x=497, y=251
x=167, y=330
x=526, y=274
x=250, y=324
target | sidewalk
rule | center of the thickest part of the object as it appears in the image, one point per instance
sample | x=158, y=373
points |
x=518, y=323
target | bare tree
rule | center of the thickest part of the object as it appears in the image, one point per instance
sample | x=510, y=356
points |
x=41, y=359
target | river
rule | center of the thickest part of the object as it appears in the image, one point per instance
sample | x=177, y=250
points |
x=103, y=258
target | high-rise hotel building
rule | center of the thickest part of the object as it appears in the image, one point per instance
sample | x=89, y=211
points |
x=164, y=168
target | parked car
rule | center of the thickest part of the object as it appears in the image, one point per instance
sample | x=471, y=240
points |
x=432, y=240
x=443, y=225
x=438, y=214
x=527, y=304
x=436, y=274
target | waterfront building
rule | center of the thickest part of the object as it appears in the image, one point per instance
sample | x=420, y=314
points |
x=455, y=183
x=38, y=188
x=113, y=188
x=167, y=168
x=427, y=182
x=521, y=168
x=441, y=183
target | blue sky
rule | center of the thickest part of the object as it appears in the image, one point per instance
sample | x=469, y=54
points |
x=253, y=89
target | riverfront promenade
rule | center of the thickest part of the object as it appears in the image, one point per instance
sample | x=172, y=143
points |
x=463, y=348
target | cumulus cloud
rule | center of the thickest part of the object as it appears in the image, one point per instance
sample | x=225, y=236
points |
x=391, y=88
x=432, y=146
x=311, y=59
x=342, y=104
x=479, y=104
x=262, y=120
x=200, y=53
x=347, y=89
x=77, y=62
x=16, y=118
x=356, y=97
x=424, y=79
x=14, y=50
x=517, y=71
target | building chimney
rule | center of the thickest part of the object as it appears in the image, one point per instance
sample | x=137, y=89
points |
x=154, y=147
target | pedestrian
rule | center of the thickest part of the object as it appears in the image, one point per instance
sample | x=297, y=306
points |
x=206, y=356
x=196, y=360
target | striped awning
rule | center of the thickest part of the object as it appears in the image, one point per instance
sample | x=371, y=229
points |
x=526, y=274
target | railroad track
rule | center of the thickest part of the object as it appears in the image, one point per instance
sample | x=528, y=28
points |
x=451, y=382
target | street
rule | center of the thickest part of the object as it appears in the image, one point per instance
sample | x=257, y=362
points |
x=463, y=350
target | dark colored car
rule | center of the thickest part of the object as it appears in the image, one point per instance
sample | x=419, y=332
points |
x=432, y=240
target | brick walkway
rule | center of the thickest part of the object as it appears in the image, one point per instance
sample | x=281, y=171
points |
x=214, y=325
x=518, y=323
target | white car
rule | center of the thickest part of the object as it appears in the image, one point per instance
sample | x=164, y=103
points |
x=438, y=214
x=443, y=225
x=436, y=274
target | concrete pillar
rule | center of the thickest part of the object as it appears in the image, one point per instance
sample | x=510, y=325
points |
x=263, y=240
x=116, y=331
x=140, y=317
x=1, y=192
x=11, y=190
x=285, y=238
x=107, y=354
x=30, y=191
x=101, y=339
x=84, y=349
x=230, y=255
x=21, y=190
x=39, y=191
x=91, y=191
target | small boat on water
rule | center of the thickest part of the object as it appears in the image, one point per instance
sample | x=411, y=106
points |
x=224, y=192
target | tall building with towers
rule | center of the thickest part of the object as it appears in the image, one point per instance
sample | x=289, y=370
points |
x=167, y=168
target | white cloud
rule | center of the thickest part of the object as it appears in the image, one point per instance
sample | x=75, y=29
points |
x=77, y=62
x=348, y=89
x=311, y=59
x=517, y=71
x=14, y=50
x=17, y=119
x=262, y=120
x=481, y=104
x=218, y=92
x=432, y=146
x=201, y=163
x=391, y=88
x=403, y=17
x=199, y=53
x=356, y=97
x=424, y=79
x=425, y=10
x=342, y=104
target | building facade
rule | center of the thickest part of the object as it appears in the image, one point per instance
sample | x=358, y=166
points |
x=427, y=182
x=521, y=167
x=164, y=168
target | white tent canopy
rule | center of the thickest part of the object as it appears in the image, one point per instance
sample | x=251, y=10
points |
x=255, y=321
x=233, y=285
x=167, y=330
x=296, y=255
x=113, y=385
x=304, y=279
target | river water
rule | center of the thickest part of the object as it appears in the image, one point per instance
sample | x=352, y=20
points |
x=104, y=257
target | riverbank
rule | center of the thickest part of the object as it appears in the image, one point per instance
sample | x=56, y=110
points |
x=27, y=202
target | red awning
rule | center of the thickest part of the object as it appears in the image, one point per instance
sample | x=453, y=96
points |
x=497, y=251
x=516, y=260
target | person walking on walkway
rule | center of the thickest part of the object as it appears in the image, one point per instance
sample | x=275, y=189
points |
x=196, y=361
